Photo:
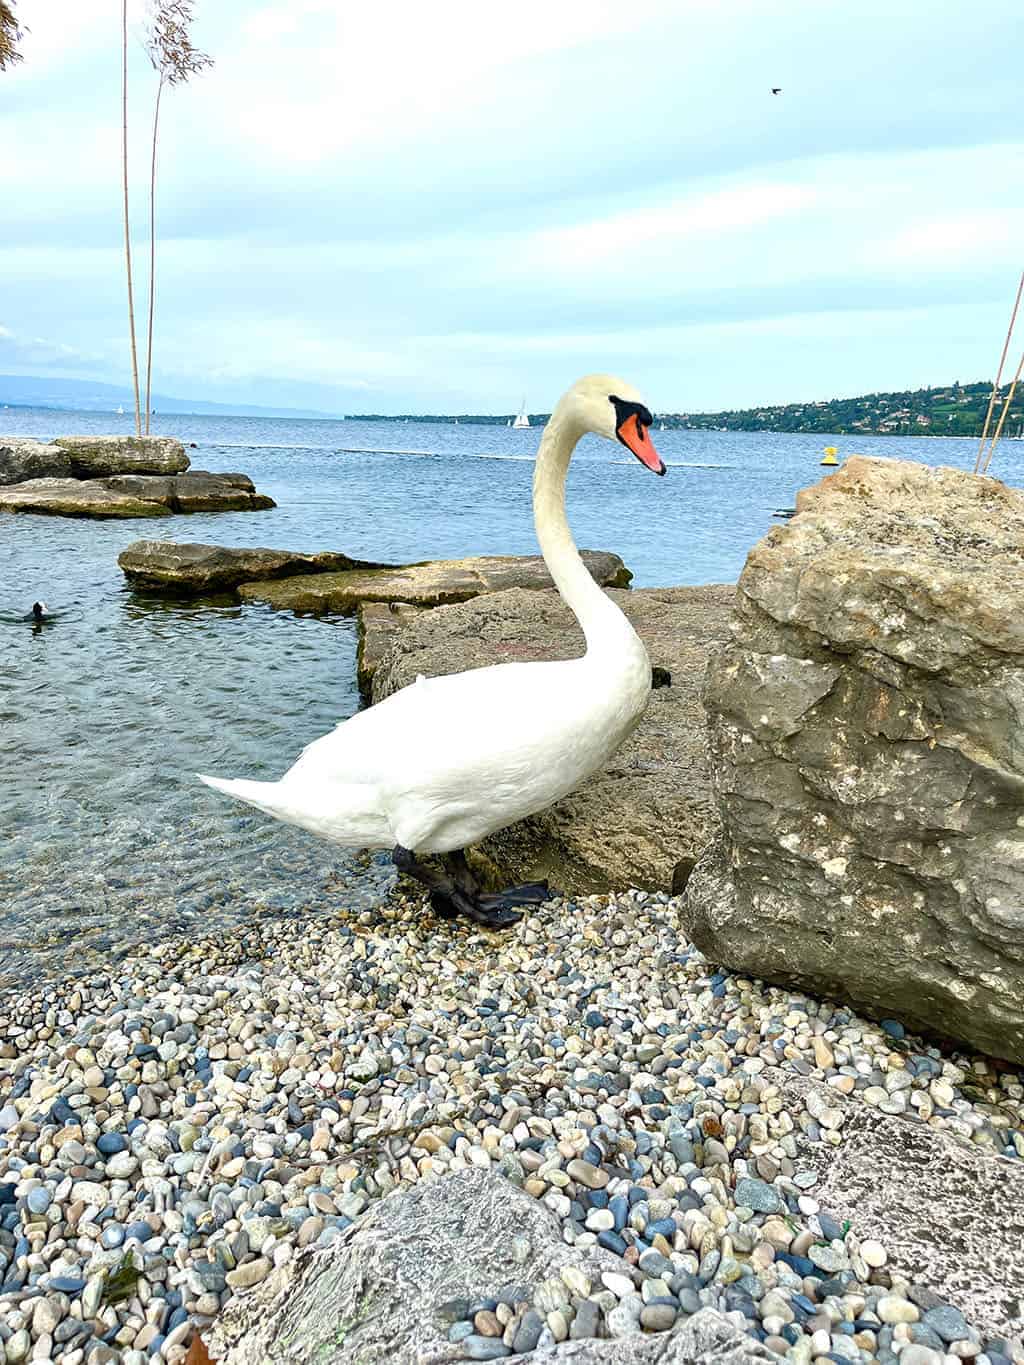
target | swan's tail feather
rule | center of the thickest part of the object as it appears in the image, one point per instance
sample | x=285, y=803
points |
x=258, y=794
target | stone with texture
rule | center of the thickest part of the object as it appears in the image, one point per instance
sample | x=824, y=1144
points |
x=21, y=459
x=436, y=583
x=865, y=738
x=76, y=498
x=192, y=569
x=649, y=809
x=94, y=456
x=374, y=1296
x=948, y=1213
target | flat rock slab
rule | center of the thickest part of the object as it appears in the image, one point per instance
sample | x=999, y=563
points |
x=22, y=459
x=135, y=495
x=76, y=498
x=644, y=818
x=431, y=584
x=950, y=1215
x=375, y=1297
x=93, y=456
x=197, y=568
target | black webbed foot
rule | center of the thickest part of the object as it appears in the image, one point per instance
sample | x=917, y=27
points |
x=529, y=893
x=487, y=916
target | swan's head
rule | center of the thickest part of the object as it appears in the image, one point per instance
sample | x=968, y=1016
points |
x=612, y=408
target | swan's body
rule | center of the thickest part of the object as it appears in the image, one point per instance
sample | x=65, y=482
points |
x=448, y=760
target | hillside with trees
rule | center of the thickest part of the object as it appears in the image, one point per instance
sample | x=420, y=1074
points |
x=951, y=410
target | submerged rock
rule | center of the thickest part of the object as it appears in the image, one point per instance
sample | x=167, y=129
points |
x=867, y=754
x=386, y=1289
x=94, y=456
x=197, y=568
x=430, y=584
x=647, y=815
x=22, y=459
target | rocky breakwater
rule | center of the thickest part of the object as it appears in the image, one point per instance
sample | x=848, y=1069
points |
x=867, y=752
x=647, y=815
x=115, y=476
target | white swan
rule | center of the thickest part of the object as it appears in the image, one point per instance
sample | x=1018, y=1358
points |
x=448, y=760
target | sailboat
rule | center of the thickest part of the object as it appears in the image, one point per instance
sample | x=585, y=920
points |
x=120, y=410
x=522, y=420
x=662, y=427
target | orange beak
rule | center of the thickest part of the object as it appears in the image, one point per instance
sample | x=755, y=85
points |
x=635, y=438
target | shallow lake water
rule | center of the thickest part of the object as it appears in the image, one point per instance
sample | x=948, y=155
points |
x=106, y=838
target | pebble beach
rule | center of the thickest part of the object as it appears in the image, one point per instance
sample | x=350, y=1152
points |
x=174, y=1127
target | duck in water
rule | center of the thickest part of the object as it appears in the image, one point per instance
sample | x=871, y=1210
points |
x=40, y=613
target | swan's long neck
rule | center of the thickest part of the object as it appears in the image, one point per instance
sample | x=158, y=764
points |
x=603, y=623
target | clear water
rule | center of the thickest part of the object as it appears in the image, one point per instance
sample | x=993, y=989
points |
x=105, y=715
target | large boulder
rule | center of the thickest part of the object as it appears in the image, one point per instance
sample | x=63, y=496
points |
x=195, y=568
x=76, y=498
x=383, y=1293
x=22, y=459
x=647, y=815
x=427, y=585
x=94, y=456
x=868, y=754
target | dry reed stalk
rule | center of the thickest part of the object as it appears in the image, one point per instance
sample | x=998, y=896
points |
x=127, y=224
x=1003, y=414
x=9, y=35
x=175, y=61
x=979, y=464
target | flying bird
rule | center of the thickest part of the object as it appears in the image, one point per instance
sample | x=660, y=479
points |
x=776, y=89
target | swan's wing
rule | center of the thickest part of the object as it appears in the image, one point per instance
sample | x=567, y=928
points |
x=447, y=726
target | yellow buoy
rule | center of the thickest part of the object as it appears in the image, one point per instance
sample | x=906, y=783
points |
x=830, y=455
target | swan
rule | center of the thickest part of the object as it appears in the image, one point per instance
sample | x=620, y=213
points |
x=446, y=761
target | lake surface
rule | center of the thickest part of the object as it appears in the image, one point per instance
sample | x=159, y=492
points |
x=106, y=838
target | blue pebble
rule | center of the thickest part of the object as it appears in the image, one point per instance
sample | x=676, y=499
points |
x=458, y=1331
x=156, y=1343
x=666, y=1226
x=894, y=1028
x=802, y=1301
x=597, y=1199
x=846, y=1329
x=619, y=1208
x=38, y=1200
x=22, y=1247
x=176, y=1319
x=67, y=1284
x=830, y=1228
x=611, y=1241
x=112, y=1236
x=111, y=1143
x=7, y=1195
x=800, y=1264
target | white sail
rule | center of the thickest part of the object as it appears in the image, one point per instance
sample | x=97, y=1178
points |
x=522, y=420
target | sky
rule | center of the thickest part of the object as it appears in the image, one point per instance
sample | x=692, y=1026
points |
x=404, y=207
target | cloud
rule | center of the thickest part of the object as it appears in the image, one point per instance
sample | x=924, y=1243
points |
x=407, y=203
